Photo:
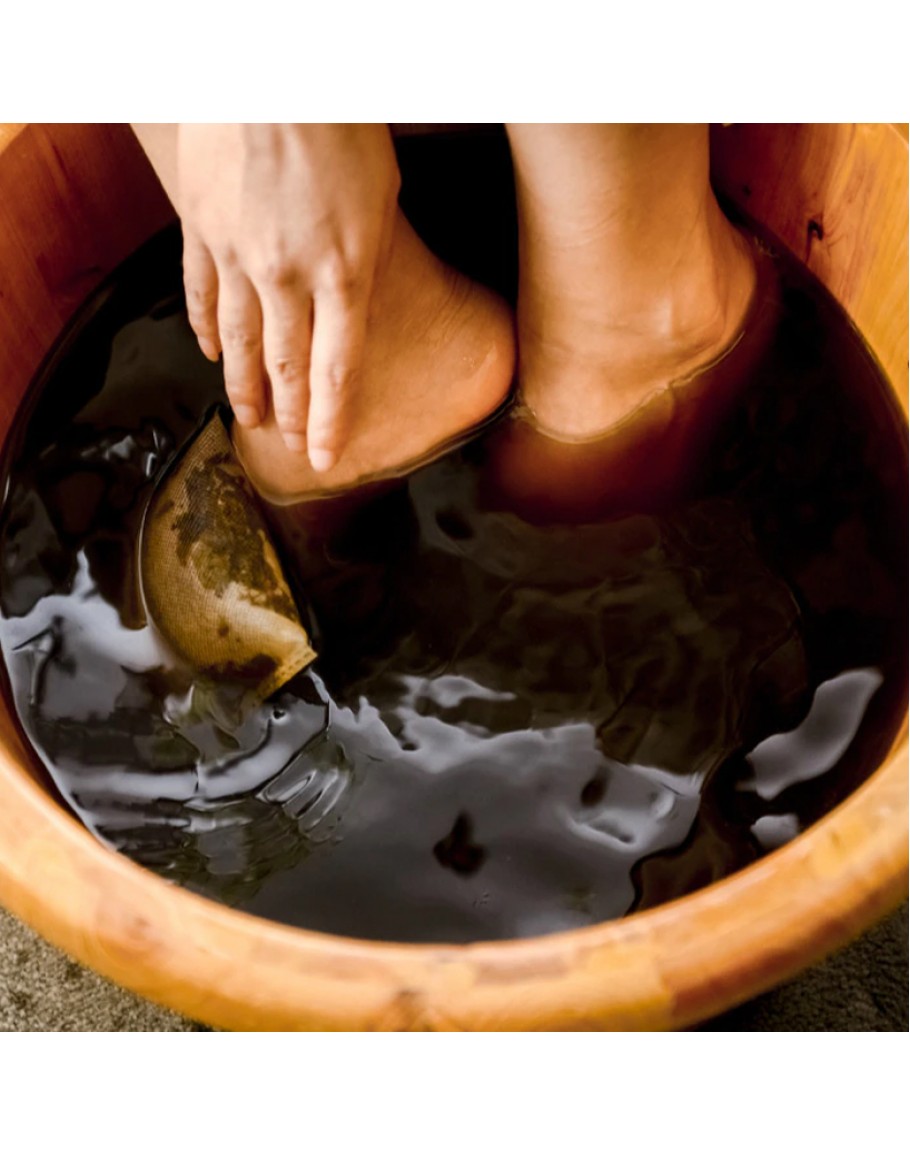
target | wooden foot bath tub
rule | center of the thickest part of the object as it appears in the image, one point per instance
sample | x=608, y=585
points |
x=75, y=201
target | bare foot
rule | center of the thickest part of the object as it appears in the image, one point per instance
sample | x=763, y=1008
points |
x=652, y=456
x=588, y=369
x=439, y=360
x=631, y=276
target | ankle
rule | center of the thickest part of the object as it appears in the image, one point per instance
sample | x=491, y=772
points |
x=595, y=347
x=700, y=309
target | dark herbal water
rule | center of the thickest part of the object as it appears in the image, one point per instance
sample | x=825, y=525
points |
x=536, y=707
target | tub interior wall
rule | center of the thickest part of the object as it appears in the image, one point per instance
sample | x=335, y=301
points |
x=75, y=201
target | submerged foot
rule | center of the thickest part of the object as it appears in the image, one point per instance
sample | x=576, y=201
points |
x=592, y=438
x=439, y=360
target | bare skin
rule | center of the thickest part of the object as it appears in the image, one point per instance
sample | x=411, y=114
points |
x=647, y=461
x=632, y=281
x=438, y=359
x=285, y=229
x=357, y=352
x=630, y=275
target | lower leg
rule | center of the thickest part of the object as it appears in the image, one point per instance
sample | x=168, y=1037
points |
x=631, y=277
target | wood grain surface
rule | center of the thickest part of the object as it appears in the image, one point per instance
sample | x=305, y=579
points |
x=74, y=201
